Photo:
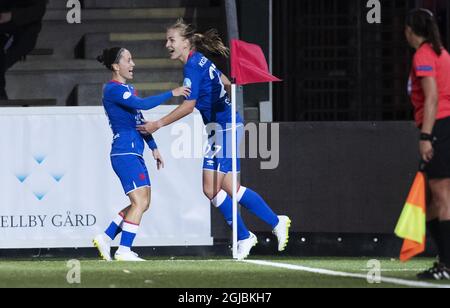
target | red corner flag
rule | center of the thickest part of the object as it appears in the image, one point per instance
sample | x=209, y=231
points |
x=248, y=64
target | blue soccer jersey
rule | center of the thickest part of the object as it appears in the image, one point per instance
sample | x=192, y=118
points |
x=207, y=88
x=204, y=79
x=122, y=107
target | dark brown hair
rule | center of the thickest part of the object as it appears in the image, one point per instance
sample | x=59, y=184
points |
x=111, y=56
x=423, y=23
x=208, y=42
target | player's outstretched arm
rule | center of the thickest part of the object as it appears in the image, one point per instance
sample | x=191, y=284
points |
x=132, y=101
x=180, y=112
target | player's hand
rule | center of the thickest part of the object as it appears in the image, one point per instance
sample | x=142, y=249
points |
x=181, y=91
x=142, y=132
x=149, y=127
x=159, y=160
x=426, y=151
x=5, y=17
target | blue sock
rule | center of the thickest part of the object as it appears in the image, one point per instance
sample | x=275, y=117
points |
x=224, y=203
x=128, y=235
x=114, y=228
x=256, y=205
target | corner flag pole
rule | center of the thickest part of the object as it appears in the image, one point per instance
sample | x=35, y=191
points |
x=248, y=65
x=234, y=164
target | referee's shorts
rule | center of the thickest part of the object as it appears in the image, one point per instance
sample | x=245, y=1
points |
x=439, y=167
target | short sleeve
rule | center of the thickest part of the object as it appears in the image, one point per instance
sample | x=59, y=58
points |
x=425, y=63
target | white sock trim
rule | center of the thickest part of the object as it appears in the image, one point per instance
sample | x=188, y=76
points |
x=127, y=227
x=241, y=193
x=219, y=199
x=118, y=220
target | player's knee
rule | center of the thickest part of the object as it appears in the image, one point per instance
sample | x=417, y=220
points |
x=228, y=190
x=146, y=204
x=211, y=191
x=225, y=187
x=209, y=194
x=145, y=207
x=142, y=205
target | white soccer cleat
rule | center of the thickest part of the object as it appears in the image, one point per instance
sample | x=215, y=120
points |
x=244, y=246
x=103, y=245
x=282, y=232
x=128, y=256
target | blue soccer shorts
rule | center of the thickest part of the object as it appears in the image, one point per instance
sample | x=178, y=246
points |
x=131, y=171
x=218, y=154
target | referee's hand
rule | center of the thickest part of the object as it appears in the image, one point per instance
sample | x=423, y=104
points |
x=426, y=151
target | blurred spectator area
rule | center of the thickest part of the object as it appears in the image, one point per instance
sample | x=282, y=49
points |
x=338, y=67
x=63, y=66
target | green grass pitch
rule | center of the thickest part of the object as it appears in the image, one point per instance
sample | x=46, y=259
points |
x=207, y=273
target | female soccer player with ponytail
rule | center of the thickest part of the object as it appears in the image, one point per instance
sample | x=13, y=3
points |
x=123, y=107
x=209, y=96
x=430, y=95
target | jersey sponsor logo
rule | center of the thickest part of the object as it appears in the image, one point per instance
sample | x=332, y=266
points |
x=187, y=83
x=203, y=61
x=425, y=68
x=127, y=95
x=139, y=119
x=39, y=181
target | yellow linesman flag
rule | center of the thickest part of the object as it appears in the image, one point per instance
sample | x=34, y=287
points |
x=412, y=223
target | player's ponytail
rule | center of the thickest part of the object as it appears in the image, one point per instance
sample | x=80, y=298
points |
x=110, y=56
x=435, y=37
x=208, y=43
x=423, y=23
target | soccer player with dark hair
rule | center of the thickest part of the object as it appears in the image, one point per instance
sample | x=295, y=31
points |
x=123, y=107
x=430, y=94
x=208, y=94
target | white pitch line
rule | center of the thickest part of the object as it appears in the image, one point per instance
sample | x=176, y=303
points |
x=401, y=282
x=200, y=261
x=412, y=270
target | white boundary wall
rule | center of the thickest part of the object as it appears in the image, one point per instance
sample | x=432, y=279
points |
x=58, y=188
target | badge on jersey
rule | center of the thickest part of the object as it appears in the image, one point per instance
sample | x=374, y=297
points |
x=187, y=83
x=424, y=68
x=127, y=95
